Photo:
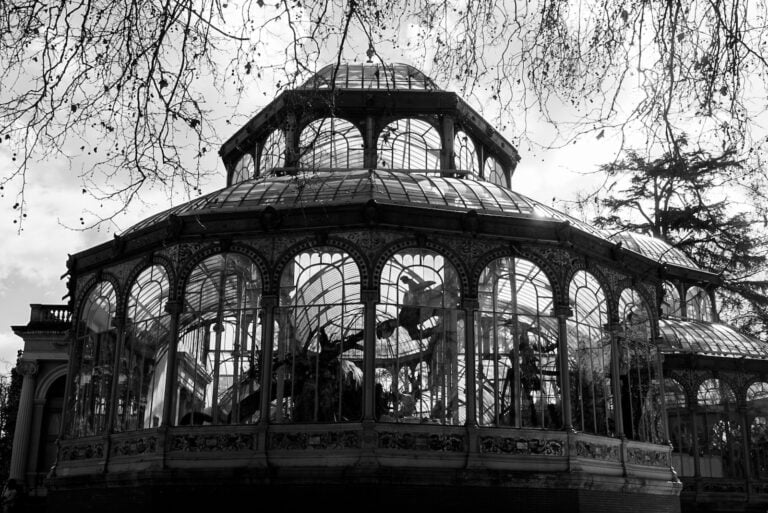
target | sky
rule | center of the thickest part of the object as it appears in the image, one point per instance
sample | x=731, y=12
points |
x=33, y=260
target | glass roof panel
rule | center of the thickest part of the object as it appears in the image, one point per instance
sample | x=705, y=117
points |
x=387, y=186
x=709, y=339
x=655, y=249
x=370, y=76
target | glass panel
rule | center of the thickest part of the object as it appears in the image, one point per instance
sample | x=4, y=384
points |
x=330, y=143
x=143, y=358
x=318, y=345
x=516, y=341
x=680, y=428
x=94, y=357
x=670, y=302
x=244, y=170
x=697, y=305
x=719, y=431
x=218, y=358
x=409, y=144
x=272, y=153
x=466, y=155
x=638, y=371
x=420, y=351
x=757, y=416
x=494, y=173
x=589, y=357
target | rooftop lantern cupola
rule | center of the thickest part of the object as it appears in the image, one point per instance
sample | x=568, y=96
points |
x=369, y=116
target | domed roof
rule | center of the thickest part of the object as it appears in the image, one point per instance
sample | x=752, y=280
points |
x=370, y=76
x=326, y=188
x=655, y=249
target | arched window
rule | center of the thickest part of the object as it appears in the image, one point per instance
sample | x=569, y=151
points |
x=697, y=305
x=680, y=428
x=272, y=153
x=670, y=302
x=466, y=155
x=589, y=357
x=719, y=431
x=517, y=350
x=219, y=346
x=94, y=359
x=409, y=144
x=757, y=414
x=245, y=169
x=318, y=346
x=330, y=143
x=143, y=359
x=494, y=173
x=638, y=371
x=420, y=341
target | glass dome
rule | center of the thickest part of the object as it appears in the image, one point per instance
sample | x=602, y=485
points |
x=370, y=76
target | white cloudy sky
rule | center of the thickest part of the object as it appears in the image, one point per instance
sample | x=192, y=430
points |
x=32, y=261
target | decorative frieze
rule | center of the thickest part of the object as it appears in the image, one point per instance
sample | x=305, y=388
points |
x=596, y=451
x=134, y=446
x=82, y=451
x=328, y=440
x=521, y=446
x=649, y=457
x=441, y=442
x=369, y=241
x=470, y=249
x=214, y=442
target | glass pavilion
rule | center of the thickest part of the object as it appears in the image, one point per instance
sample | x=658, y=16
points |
x=368, y=296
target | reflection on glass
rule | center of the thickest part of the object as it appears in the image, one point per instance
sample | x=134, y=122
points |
x=330, y=143
x=409, y=144
x=638, y=371
x=589, y=357
x=219, y=347
x=94, y=357
x=420, y=360
x=143, y=358
x=494, y=173
x=680, y=428
x=697, y=305
x=670, y=302
x=517, y=352
x=244, y=169
x=466, y=156
x=318, y=344
x=719, y=433
x=757, y=415
x=272, y=153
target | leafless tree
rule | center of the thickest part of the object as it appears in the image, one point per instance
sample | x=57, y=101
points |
x=129, y=78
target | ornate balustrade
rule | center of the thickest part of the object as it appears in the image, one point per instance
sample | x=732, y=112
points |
x=50, y=313
x=351, y=445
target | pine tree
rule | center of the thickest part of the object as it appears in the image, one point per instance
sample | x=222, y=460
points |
x=690, y=199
